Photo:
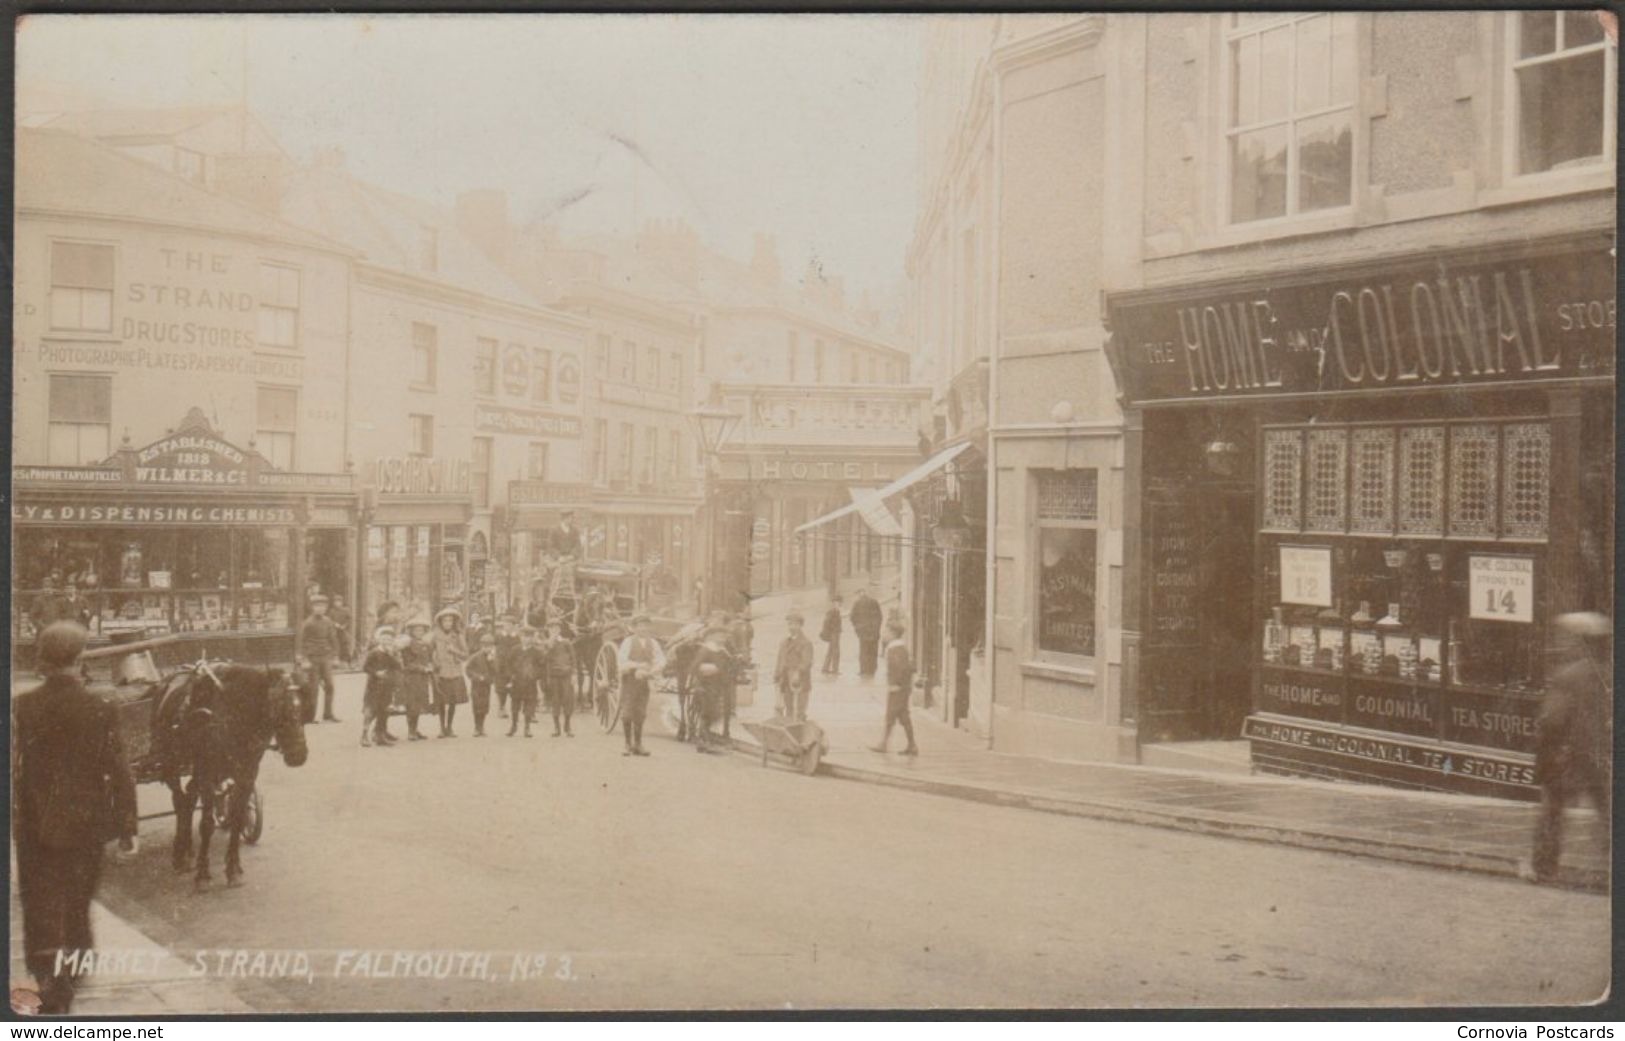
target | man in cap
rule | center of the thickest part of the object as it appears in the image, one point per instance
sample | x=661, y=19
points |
x=71, y=792
x=529, y=666
x=1573, y=746
x=566, y=538
x=640, y=660
x=319, y=644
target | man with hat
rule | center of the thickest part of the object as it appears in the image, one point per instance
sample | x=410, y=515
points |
x=1574, y=735
x=640, y=659
x=71, y=792
x=319, y=644
x=566, y=538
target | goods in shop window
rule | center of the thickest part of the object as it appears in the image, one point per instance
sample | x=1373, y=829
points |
x=1300, y=649
x=1391, y=619
x=130, y=570
x=1330, y=654
x=1363, y=615
x=158, y=580
x=1366, y=651
x=1274, y=637
x=1427, y=666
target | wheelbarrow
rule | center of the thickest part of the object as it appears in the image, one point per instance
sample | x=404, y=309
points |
x=802, y=745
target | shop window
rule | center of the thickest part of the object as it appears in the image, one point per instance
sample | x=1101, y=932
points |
x=425, y=344
x=1421, y=481
x=1473, y=480
x=674, y=372
x=629, y=362
x=542, y=383
x=485, y=366
x=81, y=286
x=1372, y=480
x=536, y=461
x=1526, y=487
x=422, y=433
x=1283, y=480
x=278, y=324
x=1562, y=110
x=1067, y=515
x=81, y=420
x=481, y=472
x=1290, y=136
x=1328, y=480
x=276, y=420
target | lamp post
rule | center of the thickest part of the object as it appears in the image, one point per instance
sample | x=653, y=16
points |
x=712, y=423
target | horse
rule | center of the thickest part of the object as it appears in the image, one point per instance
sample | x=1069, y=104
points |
x=589, y=639
x=214, y=723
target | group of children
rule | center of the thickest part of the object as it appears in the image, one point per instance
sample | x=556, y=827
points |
x=437, y=671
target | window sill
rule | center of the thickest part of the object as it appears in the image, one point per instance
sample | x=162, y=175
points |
x=1055, y=671
x=1273, y=229
x=82, y=335
x=1535, y=187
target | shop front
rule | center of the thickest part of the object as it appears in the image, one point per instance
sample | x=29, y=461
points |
x=187, y=535
x=415, y=534
x=1365, y=492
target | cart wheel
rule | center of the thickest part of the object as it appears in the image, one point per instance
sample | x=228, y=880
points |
x=810, y=760
x=607, y=673
x=254, y=819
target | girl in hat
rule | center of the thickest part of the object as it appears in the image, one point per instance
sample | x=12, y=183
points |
x=383, y=668
x=417, y=681
x=450, y=655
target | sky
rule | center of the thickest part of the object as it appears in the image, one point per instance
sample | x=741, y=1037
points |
x=798, y=125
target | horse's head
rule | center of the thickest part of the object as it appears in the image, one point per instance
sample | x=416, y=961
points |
x=286, y=718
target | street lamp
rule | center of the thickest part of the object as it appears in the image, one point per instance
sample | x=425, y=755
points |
x=713, y=423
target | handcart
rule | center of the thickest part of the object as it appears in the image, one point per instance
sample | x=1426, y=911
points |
x=801, y=744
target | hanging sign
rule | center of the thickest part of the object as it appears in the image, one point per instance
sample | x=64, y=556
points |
x=1501, y=589
x=1306, y=575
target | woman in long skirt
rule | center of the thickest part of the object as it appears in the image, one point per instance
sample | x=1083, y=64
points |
x=450, y=655
x=417, y=675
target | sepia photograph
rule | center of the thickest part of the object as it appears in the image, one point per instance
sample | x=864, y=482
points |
x=564, y=514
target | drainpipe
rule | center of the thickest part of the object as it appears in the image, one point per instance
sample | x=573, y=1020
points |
x=990, y=616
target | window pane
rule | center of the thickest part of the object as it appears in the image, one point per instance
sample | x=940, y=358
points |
x=1344, y=51
x=95, y=442
x=1325, y=161
x=1244, y=81
x=65, y=308
x=62, y=447
x=96, y=309
x=82, y=264
x=1314, y=61
x=277, y=408
x=1537, y=33
x=1581, y=28
x=81, y=399
x=1560, y=112
x=542, y=363
x=1066, y=604
x=1275, y=74
x=1258, y=175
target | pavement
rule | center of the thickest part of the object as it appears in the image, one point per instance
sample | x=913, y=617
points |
x=1443, y=830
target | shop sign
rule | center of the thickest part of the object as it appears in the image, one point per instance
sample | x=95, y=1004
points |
x=1490, y=719
x=1443, y=322
x=1306, y=575
x=137, y=512
x=285, y=479
x=1501, y=589
x=1443, y=761
x=191, y=458
x=422, y=475
x=491, y=419
x=876, y=471
x=1301, y=694
x=1175, y=573
x=1394, y=706
x=69, y=474
x=515, y=371
x=547, y=493
x=569, y=379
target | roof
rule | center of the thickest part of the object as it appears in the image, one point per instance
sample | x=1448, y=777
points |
x=67, y=173
x=386, y=228
x=108, y=124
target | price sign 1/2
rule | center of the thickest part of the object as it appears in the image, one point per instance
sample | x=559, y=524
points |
x=1306, y=575
x=1501, y=589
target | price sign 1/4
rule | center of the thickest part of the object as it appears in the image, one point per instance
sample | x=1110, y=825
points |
x=1306, y=575
x=1501, y=589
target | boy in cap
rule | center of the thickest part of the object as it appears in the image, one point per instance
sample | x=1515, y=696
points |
x=640, y=660
x=793, y=669
x=383, y=669
x=899, y=684
x=559, y=658
x=529, y=667
x=482, y=675
x=320, y=643
x=507, y=658
x=712, y=676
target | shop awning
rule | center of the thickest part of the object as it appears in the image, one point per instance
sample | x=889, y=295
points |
x=875, y=512
x=878, y=497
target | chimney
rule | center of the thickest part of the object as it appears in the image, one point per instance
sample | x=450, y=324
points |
x=764, y=261
x=482, y=218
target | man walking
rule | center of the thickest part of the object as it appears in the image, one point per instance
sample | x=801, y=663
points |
x=71, y=792
x=640, y=660
x=792, y=671
x=899, y=685
x=866, y=620
x=319, y=644
x=831, y=635
x=1575, y=731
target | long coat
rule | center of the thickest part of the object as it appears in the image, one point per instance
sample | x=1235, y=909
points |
x=866, y=617
x=417, y=686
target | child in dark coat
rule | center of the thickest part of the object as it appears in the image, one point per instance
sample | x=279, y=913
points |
x=482, y=675
x=558, y=676
x=528, y=669
x=383, y=668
